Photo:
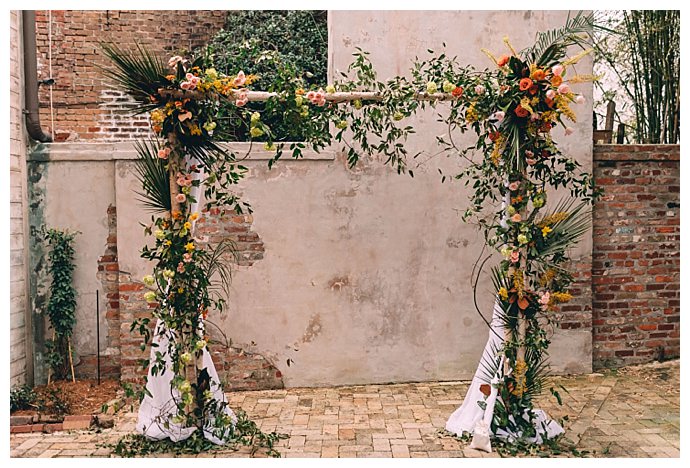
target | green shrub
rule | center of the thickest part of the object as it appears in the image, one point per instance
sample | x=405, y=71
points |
x=279, y=47
x=22, y=397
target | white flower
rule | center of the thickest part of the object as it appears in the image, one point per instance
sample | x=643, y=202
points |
x=580, y=99
x=186, y=358
x=201, y=344
x=431, y=87
x=150, y=296
x=479, y=89
x=160, y=235
x=569, y=131
x=499, y=115
x=448, y=87
x=149, y=280
x=330, y=89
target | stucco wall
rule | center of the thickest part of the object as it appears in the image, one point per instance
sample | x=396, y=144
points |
x=366, y=274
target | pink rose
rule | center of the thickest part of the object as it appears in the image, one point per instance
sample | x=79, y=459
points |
x=174, y=61
x=516, y=218
x=186, y=85
x=180, y=198
x=189, y=76
x=580, y=99
x=534, y=117
x=513, y=186
x=529, y=153
x=163, y=153
x=557, y=70
x=500, y=115
x=180, y=267
x=564, y=89
x=479, y=89
x=568, y=131
x=544, y=300
x=240, y=79
x=310, y=95
x=515, y=256
x=531, y=161
x=187, y=257
x=550, y=94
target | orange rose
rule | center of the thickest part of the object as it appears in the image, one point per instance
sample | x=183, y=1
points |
x=538, y=74
x=521, y=111
x=503, y=60
x=493, y=136
x=556, y=80
x=549, y=102
x=533, y=89
x=525, y=84
x=457, y=92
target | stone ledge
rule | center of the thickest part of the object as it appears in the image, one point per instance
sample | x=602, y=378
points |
x=125, y=150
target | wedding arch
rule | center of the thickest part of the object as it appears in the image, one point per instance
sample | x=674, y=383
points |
x=512, y=109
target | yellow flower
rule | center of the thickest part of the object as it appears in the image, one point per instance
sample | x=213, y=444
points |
x=503, y=292
x=168, y=242
x=471, y=115
x=560, y=297
x=194, y=216
x=187, y=225
x=180, y=290
x=545, y=231
x=189, y=246
x=195, y=130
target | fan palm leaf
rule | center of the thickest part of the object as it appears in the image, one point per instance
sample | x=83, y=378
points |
x=550, y=46
x=566, y=232
x=138, y=72
x=152, y=174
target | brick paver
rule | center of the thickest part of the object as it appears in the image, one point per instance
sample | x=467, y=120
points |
x=633, y=412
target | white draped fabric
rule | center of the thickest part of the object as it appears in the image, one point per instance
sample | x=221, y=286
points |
x=470, y=417
x=156, y=411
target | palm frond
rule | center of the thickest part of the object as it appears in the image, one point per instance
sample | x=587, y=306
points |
x=550, y=46
x=490, y=365
x=215, y=261
x=138, y=72
x=152, y=174
x=566, y=232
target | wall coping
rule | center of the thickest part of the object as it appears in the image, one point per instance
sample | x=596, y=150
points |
x=648, y=152
x=125, y=150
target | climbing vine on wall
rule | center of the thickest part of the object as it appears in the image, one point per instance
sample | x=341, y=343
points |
x=512, y=109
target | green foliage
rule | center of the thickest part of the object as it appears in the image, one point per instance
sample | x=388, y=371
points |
x=285, y=49
x=22, y=397
x=62, y=303
x=245, y=432
x=551, y=46
x=549, y=448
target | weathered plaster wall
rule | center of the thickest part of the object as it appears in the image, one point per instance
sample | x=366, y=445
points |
x=365, y=275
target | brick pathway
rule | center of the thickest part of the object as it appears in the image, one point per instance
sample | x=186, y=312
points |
x=633, y=412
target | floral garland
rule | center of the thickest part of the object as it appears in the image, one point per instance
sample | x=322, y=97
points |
x=512, y=109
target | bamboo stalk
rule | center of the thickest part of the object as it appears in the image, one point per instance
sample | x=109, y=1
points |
x=260, y=96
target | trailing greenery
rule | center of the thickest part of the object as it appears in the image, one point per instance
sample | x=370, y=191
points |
x=244, y=432
x=555, y=447
x=62, y=303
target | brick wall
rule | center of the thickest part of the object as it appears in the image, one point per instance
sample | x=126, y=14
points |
x=84, y=107
x=20, y=366
x=108, y=274
x=636, y=254
x=238, y=368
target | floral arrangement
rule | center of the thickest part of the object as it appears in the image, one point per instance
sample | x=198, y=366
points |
x=512, y=109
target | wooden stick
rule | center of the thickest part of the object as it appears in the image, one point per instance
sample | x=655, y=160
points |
x=69, y=351
x=50, y=369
